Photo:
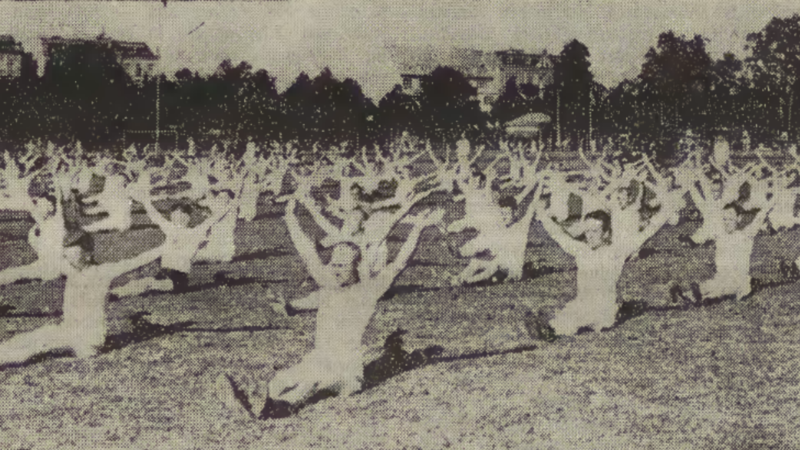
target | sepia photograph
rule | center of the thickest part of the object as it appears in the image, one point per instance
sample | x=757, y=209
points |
x=366, y=224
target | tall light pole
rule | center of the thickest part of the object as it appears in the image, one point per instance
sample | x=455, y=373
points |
x=158, y=77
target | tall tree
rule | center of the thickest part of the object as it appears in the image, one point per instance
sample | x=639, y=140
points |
x=726, y=100
x=774, y=62
x=510, y=104
x=676, y=78
x=449, y=108
x=568, y=98
x=296, y=106
x=90, y=90
x=397, y=112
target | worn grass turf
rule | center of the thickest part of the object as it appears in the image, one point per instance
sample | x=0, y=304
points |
x=671, y=377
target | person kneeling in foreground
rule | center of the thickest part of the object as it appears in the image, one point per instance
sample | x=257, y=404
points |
x=336, y=364
x=83, y=327
x=600, y=257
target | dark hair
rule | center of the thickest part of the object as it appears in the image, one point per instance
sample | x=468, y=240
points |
x=602, y=216
x=735, y=207
x=230, y=193
x=50, y=198
x=633, y=190
x=85, y=241
x=476, y=172
x=184, y=208
x=508, y=202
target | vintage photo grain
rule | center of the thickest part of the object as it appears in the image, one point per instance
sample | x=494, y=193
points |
x=527, y=224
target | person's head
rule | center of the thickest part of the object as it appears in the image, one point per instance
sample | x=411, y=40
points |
x=716, y=188
x=344, y=263
x=46, y=204
x=218, y=199
x=730, y=217
x=597, y=228
x=626, y=195
x=507, y=207
x=478, y=176
x=181, y=215
x=623, y=196
x=79, y=252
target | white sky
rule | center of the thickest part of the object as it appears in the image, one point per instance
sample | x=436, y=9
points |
x=349, y=35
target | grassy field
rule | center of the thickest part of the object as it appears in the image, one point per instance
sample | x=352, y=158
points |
x=717, y=376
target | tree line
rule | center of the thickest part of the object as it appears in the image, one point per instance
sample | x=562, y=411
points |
x=86, y=96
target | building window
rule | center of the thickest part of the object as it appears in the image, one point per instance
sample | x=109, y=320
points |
x=138, y=70
x=408, y=83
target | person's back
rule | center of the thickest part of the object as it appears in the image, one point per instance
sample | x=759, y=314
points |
x=220, y=243
x=84, y=321
x=345, y=312
x=732, y=265
x=180, y=245
x=47, y=238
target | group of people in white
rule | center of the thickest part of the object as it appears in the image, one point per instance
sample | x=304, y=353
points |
x=600, y=214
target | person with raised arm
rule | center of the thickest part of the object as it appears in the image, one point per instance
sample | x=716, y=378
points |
x=600, y=252
x=111, y=201
x=181, y=244
x=734, y=246
x=506, y=252
x=47, y=235
x=346, y=303
x=83, y=326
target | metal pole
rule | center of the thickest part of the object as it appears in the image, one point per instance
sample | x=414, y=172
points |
x=558, y=118
x=158, y=110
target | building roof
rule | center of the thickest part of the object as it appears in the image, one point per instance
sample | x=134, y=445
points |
x=9, y=45
x=530, y=120
x=133, y=50
x=418, y=60
x=123, y=49
x=423, y=60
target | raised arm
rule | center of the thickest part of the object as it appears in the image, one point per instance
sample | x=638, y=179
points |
x=562, y=238
x=155, y=216
x=323, y=222
x=670, y=205
x=752, y=228
x=420, y=222
x=305, y=247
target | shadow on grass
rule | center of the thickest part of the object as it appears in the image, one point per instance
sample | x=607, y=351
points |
x=406, y=289
x=394, y=361
x=220, y=279
x=632, y=309
x=252, y=256
x=142, y=330
x=263, y=254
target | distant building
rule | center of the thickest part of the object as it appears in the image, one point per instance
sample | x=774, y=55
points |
x=136, y=58
x=488, y=72
x=528, y=68
x=14, y=61
x=529, y=125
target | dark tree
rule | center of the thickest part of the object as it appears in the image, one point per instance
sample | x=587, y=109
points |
x=676, y=77
x=774, y=62
x=510, y=104
x=90, y=91
x=297, y=109
x=397, y=112
x=449, y=108
x=568, y=99
x=727, y=97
